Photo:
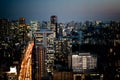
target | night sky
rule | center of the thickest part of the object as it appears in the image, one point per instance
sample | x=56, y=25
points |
x=66, y=10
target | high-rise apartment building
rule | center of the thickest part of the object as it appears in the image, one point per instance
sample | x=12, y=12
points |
x=40, y=62
x=44, y=44
x=44, y=37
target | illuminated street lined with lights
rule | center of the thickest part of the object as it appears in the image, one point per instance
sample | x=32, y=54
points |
x=26, y=67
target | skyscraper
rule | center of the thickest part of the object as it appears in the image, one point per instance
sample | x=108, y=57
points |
x=53, y=20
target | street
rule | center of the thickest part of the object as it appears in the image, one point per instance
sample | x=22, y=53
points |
x=26, y=67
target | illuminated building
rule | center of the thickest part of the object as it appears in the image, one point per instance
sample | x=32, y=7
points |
x=23, y=30
x=62, y=75
x=40, y=62
x=62, y=50
x=44, y=46
x=82, y=65
x=12, y=74
x=44, y=37
x=34, y=25
x=83, y=62
x=60, y=30
x=63, y=45
x=54, y=25
x=22, y=21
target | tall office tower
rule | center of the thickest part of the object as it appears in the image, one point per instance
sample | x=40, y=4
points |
x=22, y=21
x=54, y=25
x=40, y=62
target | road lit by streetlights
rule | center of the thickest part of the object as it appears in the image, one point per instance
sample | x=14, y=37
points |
x=26, y=67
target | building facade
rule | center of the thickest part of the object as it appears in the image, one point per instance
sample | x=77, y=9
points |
x=44, y=45
x=83, y=62
x=40, y=62
x=53, y=20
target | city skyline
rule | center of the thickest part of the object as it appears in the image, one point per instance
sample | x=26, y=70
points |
x=66, y=10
